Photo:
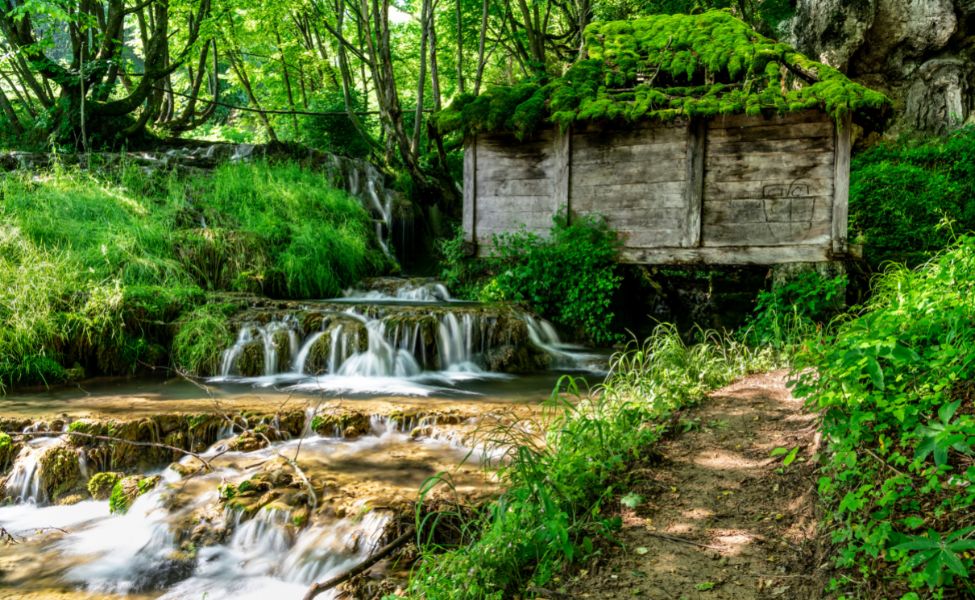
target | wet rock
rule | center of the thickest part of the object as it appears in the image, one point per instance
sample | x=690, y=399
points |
x=251, y=361
x=127, y=489
x=8, y=450
x=101, y=484
x=281, y=340
x=341, y=424
x=60, y=472
x=919, y=53
x=247, y=442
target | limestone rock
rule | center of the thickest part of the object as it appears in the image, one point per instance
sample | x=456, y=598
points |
x=919, y=52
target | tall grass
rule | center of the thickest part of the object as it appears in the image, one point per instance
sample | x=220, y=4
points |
x=552, y=509
x=99, y=271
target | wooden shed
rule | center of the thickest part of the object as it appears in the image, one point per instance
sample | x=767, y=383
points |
x=698, y=141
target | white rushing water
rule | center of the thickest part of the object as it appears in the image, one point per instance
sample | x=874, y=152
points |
x=25, y=483
x=374, y=348
x=263, y=557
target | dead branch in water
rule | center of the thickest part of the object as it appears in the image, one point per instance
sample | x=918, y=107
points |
x=382, y=553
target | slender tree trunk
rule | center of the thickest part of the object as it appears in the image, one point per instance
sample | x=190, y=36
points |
x=481, y=44
x=11, y=114
x=237, y=63
x=422, y=78
x=460, y=47
x=287, y=82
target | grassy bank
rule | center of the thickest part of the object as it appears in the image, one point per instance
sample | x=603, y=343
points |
x=99, y=273
x=552, y=508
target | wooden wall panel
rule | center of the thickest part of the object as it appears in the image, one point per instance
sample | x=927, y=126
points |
x=516, y=185
x=769, y=182
x=636, y=177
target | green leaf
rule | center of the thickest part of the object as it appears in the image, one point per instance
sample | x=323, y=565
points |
x=631, y=500
x=875, y=372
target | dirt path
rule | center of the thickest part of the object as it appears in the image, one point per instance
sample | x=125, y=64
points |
x=720, y=517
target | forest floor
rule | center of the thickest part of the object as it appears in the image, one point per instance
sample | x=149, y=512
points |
x=720, y=517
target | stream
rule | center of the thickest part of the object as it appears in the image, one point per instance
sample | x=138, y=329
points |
x=290, y=465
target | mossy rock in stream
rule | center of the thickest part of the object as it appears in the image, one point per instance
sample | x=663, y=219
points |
x=127, y=489
x=281, y=340
x=101, y=485
x=60, y=470
x=8, y=450
x=344, y=424
x=351, y=332
x=250, y=363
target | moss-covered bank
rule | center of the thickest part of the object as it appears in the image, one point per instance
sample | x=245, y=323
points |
x=113, y=273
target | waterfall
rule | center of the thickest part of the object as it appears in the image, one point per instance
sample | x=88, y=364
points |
x=25, y=482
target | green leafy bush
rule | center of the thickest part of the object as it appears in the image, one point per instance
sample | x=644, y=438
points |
x=900, y=192
x=570, y=277
x=896, y=385
x=793, y=310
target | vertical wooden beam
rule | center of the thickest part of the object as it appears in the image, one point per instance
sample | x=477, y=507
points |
x=470, y=188
x=694, y=192
x=560, y=188
x=841, y=184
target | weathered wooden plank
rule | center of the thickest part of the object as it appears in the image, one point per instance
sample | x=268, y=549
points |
x=515, y=187
x=470, y=188
x=650, y=238
x=690, y=235
x=787, y=146
x=731, y=255
x=765, y=234
x=815, y=209
x=562, y=172
x=501, y=204
x=759, y=161
x=511, y=221
x=781, y=173
x=716, y=191
x=740, y=120
x=492, y=172
x=605, y=200
x=628, y=137
x=625, y=173
x=636, y=219
x=770, y=132
x=841, y=186
x=639, y=189
x=614, y=154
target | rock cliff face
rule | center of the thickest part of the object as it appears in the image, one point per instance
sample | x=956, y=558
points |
x=919, y=52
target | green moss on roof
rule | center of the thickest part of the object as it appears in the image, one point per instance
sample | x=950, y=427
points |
x=664, y=67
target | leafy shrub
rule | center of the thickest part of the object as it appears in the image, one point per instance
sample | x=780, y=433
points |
x=570, y=277
x=895, y=386
x=791, y=311
x=901, y=191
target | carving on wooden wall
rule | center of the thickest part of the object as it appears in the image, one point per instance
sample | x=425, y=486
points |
x=789, y=208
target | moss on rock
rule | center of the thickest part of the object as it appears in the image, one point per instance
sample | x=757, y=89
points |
x=60, y=472
x=127, y=489
x=101, y=485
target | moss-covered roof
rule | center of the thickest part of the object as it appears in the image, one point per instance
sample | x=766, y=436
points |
x=664, y=67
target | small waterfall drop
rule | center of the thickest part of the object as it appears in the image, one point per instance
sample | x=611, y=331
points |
x=25, y=482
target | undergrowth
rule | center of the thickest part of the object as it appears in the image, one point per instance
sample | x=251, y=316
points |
x=98, y=273
x=569, y=277
x=895, y=386
x=556, y=489
x=908, y=198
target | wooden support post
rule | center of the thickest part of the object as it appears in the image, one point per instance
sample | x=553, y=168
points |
x=563, y=156
x=841, y=185
x=694, y=192
x=470, y=189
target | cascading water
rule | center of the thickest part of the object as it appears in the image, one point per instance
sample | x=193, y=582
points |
x=402, y=336
x=25, y=482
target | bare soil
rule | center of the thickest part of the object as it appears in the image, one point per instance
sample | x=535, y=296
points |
x=720, y=517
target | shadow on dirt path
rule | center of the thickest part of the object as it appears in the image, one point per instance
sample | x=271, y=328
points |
x=720, y=517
